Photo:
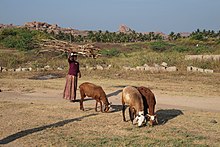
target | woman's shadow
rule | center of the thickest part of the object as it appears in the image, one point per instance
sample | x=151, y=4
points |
x=164, y=115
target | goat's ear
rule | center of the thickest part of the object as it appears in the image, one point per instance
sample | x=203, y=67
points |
x=147, y=117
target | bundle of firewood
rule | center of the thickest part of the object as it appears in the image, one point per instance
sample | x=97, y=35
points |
x=87, y=50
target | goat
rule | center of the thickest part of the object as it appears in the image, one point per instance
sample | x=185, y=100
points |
x=96, y=92
x=132, y=97
x=149, y=103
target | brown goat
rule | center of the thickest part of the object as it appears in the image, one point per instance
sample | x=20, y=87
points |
x=132, y=97
x=96, y=92
x=149, y=103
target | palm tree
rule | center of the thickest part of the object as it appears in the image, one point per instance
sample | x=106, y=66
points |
x=171, y=36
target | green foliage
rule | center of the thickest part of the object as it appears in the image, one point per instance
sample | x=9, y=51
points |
x=107, y=36
x=21, y=38
x=160, y=46
x=199, y=37
x=110, y=52
x=181, y=49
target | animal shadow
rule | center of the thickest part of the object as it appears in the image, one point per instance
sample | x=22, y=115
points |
x=114, y=93
x=120, y=86
x=164, y=115
x=116, y=108
x=26, y=132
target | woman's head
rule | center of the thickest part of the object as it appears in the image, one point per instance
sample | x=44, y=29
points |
x=73, y=55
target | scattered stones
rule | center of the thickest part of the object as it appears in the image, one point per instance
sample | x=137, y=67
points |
x=197, y=69
x=203, y=57
x=163, y=67
x=156, y=68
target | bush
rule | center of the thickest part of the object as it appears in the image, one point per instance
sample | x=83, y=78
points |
x=181, y=49
x=160, y=46
x=19, y=38
x=110, y=52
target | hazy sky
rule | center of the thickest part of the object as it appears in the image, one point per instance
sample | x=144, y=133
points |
x=140, y=15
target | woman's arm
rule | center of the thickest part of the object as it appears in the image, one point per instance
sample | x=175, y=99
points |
x=79, y=74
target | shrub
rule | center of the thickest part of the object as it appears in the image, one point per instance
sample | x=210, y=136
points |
x=110, y=52
x=19, y=38
x=160, y=46
x=181, y=49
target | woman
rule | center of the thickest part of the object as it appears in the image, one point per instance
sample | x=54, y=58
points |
x=71, y=78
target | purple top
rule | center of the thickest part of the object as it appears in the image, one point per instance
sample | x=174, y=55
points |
x=73, y=67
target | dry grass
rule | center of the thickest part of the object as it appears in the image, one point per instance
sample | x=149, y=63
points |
x=34, y=114
x=63, y=124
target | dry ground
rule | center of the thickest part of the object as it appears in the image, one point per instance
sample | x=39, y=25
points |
x=33, y=113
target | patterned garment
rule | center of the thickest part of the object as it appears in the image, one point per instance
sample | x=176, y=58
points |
x=70, y=88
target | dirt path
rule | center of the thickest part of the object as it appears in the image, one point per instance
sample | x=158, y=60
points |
x=164, y=101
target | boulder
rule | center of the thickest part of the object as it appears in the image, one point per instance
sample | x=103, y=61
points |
x=208, y=71
x=133, y=69
x=126, y=68
x=164, y=64
x=40, y=69
x=145, y=65
x=11, y=70
x=162, y=68
x=171, y=69
x=200, y=69
x=24, y=69
x=59, y=68
x=140, y=68
x=4, y=69
x=47, y=67
x=18, y=69
x=99, y=67
x=108, y=67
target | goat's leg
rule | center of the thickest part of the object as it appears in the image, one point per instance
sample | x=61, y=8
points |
x=131, y=114
x=123, y=112
x=82, y=98
x=101, y=106
x=123, y=107
x=96, y=104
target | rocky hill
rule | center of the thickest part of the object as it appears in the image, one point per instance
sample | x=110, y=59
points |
x=50, y=28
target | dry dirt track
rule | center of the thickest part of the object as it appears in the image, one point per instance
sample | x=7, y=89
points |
x=33, y=113
x=163, y=100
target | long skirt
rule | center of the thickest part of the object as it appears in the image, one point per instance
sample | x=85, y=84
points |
x=70, y=88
